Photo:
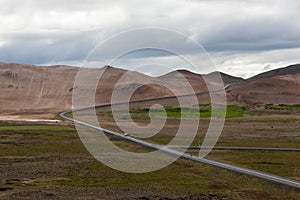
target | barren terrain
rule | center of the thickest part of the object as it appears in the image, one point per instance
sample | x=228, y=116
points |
x=41, y=92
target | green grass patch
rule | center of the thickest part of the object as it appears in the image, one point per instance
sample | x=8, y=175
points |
x=203, y=110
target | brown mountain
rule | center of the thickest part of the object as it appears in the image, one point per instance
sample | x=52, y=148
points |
x=46, y=90
x=27, y=88
x=228, y=79
x=214, y=76
x=279, y=86
x=289, y=70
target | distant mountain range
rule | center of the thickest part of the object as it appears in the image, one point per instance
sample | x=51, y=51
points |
x=47, y=90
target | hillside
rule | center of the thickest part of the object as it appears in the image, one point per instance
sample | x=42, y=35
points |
x=279, y=86
x=214, y=76
x=26, y=88
x=46, y=90
x=276, y=90
x=227, y=79
x=289, y=70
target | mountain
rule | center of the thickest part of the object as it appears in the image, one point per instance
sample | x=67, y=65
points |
x=34, y=89
x=181, y=72
x=47, y=90
x=214, y=76
x=275, y=90
x=227, y=79
x=289, y=70
x=44, y=91
x=279, y=86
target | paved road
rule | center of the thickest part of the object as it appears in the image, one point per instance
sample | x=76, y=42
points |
x=242, y=170
x=161, y=98
x=236, y=148
x=266, y=176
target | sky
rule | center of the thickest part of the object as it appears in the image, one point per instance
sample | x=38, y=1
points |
x=242, y=38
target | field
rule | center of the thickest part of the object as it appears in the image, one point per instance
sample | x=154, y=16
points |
x=205, y=111
x=46, y=162
x=202, y=110
x=274, y=131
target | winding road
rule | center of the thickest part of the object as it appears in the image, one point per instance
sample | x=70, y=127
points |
x=172, y=151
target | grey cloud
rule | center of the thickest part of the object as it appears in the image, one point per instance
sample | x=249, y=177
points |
x=222, y=27
x=34, y=48
x=253, y=35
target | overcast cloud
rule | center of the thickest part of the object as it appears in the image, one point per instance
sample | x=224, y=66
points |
x=242, y=37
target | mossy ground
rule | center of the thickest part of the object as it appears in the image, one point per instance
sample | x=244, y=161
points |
x=52, y=161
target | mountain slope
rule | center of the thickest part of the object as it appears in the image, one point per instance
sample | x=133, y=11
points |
x=214, y=76
x=227, y=79
x=46, y=91
x=275, y=90
x=31, y=88
x=279, y=86
x=289, y=70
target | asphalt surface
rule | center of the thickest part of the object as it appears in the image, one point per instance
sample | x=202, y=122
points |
x=236, y=148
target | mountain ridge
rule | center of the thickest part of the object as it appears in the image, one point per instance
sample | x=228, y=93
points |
x=47, y=89
x=289, y=70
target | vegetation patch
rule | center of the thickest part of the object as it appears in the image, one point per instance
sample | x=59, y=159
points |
x=53, y=157
x=282, y=107
x=202, y=110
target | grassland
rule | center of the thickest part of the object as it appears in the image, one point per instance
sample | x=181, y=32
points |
x=50, y=162
x=205, y=111
x=202, y=110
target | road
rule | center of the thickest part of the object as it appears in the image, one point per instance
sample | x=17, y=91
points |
x=161, y=98
x=242, y=170
x=236, y=148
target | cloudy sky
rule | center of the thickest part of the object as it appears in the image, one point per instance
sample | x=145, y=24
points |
x=243, y=38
